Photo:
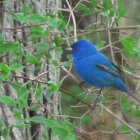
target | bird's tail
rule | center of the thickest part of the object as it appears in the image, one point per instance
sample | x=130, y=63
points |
x=134, y=97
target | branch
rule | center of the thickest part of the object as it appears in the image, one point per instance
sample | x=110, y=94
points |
x=73, y=19
x=131, y=74
x=106, y=109
x=122, y=121
x=110, y=41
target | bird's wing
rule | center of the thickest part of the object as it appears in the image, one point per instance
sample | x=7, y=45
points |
x=118, y=68
x=110, y=68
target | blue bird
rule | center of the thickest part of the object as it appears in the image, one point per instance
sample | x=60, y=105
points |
x=95, y=68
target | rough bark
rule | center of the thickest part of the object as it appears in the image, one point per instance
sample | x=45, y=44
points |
x=7, y=21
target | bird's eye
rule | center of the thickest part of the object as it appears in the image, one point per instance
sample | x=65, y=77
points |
x=73, y=46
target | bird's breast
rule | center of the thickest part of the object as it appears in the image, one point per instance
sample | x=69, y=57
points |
x=87, y=70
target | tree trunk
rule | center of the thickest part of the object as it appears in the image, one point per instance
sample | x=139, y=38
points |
x=6, y=113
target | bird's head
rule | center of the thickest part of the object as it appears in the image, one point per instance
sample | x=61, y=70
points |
x=83, y=48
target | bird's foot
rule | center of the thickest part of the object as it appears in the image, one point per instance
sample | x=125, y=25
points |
x=81, y=84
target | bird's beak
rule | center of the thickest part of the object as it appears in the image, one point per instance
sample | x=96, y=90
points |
x=69, y=49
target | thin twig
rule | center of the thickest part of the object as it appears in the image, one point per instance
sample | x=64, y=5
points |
x=65, y=116
x=131, y=74
x=125, y=36
x=73, y=19
x=122, y=121
x=80, y=31
x=110, y=41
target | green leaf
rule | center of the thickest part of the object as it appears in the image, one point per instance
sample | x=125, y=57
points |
x=100, y=43
x=5, y=132
x=120, y=13
x=37, y=18
x=7, y=100
x=125, y=104
x=128, y=45
x=86, y=119
x=54, y=62
x=107, y=5
x=82, y=6
x=18, y=115
x=4, y=71
x=61, y=25
x=121, y=9
x=38, y=119
x=94, y=2
x=41, y=46
x=19, y=16
x=22, y=103
x=104, y=14
x=62, y=132
x=35, y=107
x=8, y=47
x=135, y=114
x=59, y=51
x=1, y=39
x=26, y=9
x=112, y=12
x=1, y=124
x=57, y=41
x=53, y=86
x=38, y=95
x=37, y=30
x=138, y=138
x=54, y=22
x=16, y=66
x=21, y=125
x=31, y=59
x=50, y=123
x=71, y=136
x=22, y=94
x=125, y=129
x=85, y=9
